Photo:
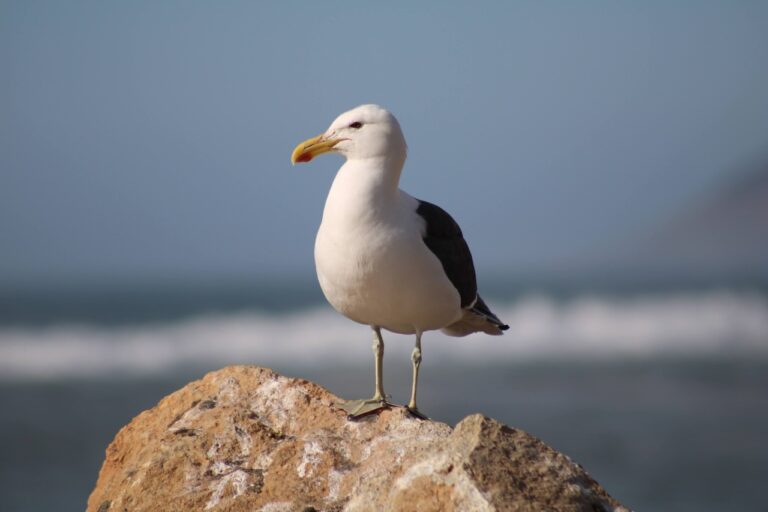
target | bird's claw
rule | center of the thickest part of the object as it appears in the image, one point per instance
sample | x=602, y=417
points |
x=416, y=413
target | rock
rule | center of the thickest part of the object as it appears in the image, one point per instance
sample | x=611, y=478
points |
x=246, y=439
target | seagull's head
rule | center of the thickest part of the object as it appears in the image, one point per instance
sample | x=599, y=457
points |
x=368, y=131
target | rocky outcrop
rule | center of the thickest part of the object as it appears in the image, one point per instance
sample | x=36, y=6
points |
x=247, y=439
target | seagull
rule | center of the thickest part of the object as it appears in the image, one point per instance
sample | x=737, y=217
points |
x=386, y=259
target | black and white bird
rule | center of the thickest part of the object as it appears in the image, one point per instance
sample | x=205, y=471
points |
x=384, y=258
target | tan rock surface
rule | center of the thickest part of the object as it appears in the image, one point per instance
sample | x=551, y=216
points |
x=246, y=439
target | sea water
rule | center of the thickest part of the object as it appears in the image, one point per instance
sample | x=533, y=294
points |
x=661, y=395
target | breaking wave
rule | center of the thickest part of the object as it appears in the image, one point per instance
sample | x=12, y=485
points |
x=540, y=327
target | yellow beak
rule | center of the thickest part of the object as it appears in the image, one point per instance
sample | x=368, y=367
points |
x=310, y=148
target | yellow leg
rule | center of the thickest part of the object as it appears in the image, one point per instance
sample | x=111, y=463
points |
x=416, y=360
x=378, y=361
x=357, y=408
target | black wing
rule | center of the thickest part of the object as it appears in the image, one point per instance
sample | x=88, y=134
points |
x=443, y=237
x=483, y=310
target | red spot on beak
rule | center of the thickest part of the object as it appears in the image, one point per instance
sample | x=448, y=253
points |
x=304, y=157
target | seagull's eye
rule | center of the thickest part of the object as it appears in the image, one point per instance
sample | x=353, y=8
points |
x=356, y=125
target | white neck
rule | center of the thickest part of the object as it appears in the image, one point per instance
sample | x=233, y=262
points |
x=363, y=188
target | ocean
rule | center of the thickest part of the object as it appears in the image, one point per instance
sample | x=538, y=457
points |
x=661, y=394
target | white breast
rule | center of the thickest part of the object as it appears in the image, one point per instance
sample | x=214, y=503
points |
x=373, y=265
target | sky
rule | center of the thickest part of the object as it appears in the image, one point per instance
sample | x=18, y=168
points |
x=151, y=140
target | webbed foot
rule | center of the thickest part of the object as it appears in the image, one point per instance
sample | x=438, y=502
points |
x=359, y=408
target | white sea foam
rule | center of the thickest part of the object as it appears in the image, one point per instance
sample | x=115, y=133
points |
x=540, y=327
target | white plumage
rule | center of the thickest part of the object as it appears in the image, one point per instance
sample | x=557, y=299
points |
x=371, y=260
x=384, y=258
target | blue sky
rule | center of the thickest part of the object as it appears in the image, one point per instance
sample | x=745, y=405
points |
x=141, y=140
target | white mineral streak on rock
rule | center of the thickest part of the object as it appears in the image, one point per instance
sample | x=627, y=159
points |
x=334, y=484
x=230, y=475
x=353, y=430
x=217, y=487
x=239, y=481
x=309, y=459
x=282, y=506
x=274, y=402
x=411, y=432
x=263, y=461
x=229, y=391
x=428, y=467
x=244, y=440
